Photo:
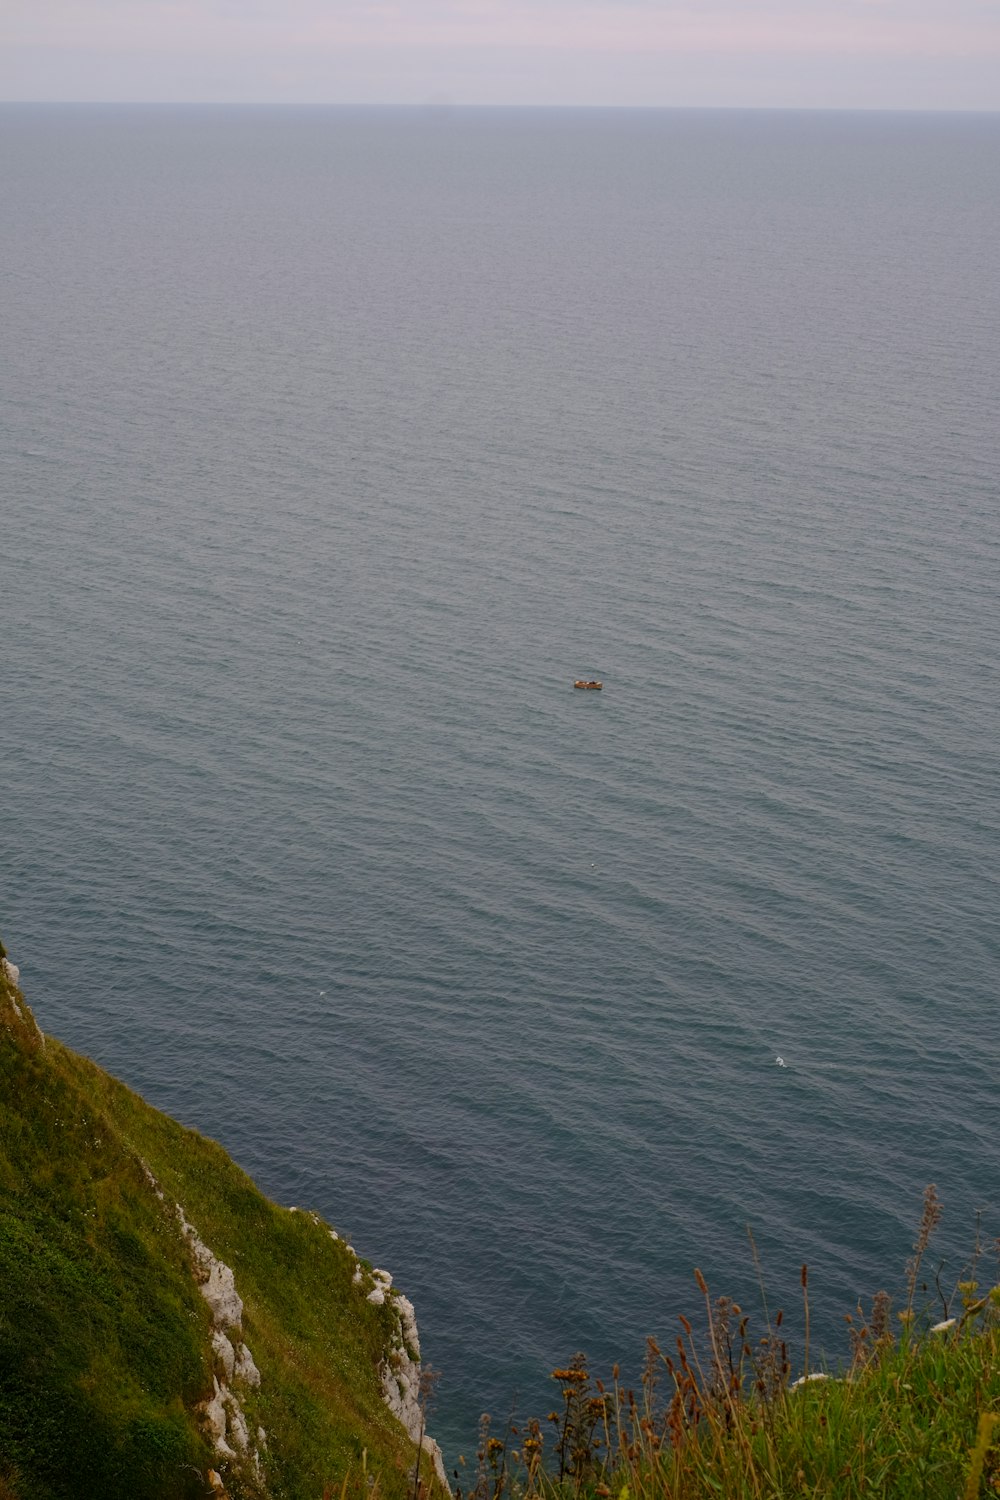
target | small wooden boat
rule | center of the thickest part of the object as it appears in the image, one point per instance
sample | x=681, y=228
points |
x=592, y=685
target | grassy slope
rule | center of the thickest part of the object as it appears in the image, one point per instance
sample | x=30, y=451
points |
x=104, y=1336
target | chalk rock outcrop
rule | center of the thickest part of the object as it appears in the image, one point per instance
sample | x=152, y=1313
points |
x=401, y=1381
x=222, y=1413
x=225, y=1418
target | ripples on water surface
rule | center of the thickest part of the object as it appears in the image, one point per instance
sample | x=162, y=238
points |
x=338, y=444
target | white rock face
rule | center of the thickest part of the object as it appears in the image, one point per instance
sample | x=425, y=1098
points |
x=218, y=1285
x=216, y=1419
x=408, y=1324
x=13, y=976
x=246, y=1370
x=236, y=1360
x=224, y=1352
x=238, y=1430
x=401, y=1383
x=222, y=1414
x=400, y=1372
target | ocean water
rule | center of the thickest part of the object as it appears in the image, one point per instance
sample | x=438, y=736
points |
x=336, y=445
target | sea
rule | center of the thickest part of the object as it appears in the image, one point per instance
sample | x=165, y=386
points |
x=337, y=443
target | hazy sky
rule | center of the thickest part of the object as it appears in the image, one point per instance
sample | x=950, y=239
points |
x=895, y=54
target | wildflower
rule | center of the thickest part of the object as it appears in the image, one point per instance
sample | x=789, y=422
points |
x=943, y=1327
x=805, y=1379
x=881, y=1304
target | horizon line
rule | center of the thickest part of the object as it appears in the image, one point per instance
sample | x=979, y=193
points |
x=448, y=106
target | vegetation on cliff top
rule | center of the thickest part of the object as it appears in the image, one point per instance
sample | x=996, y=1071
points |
x=105, y=1339
x=914, y=1413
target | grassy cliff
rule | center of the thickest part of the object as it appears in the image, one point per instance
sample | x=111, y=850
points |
x=166, y=1330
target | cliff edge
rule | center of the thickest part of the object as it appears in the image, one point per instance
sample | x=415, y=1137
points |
x=166, y=1330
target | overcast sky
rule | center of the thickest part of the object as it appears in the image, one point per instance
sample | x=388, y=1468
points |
x=881, y=54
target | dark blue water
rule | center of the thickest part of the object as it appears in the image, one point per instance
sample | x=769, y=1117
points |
x=336, y=445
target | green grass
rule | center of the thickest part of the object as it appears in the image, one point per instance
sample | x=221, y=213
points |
x=104, y=1336
x=914, y=1413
